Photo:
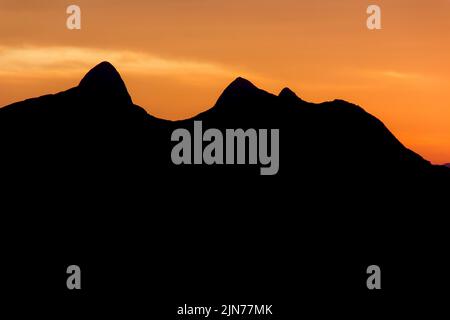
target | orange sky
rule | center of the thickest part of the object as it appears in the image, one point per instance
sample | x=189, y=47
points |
x=320, y=48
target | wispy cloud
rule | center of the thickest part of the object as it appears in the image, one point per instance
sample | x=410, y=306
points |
x=64, y=61
x=401, y=75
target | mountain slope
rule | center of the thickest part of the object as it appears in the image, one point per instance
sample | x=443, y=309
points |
x=88, y=177
x=324, y=141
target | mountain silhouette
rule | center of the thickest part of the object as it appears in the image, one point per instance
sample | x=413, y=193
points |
x=318, y=141
x=88, y=175
x=105, y=83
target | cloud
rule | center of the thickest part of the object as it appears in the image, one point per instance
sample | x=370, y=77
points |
x=65, y=61
x=401, y=75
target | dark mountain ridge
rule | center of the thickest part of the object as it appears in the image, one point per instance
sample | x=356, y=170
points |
x=313, y=135
x=88, y=177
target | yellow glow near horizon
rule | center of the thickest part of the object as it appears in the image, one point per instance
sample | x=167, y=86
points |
x=65, y=61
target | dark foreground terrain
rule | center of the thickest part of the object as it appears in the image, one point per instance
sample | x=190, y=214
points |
x=88, y=180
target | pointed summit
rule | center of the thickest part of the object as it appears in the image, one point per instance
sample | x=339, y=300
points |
x=239, y=91
x=241, y=84
x=288, y=94
x=104, y=82
x=240, y=87
x=242, y=100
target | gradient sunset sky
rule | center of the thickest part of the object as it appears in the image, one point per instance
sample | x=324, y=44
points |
x=176, y=56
